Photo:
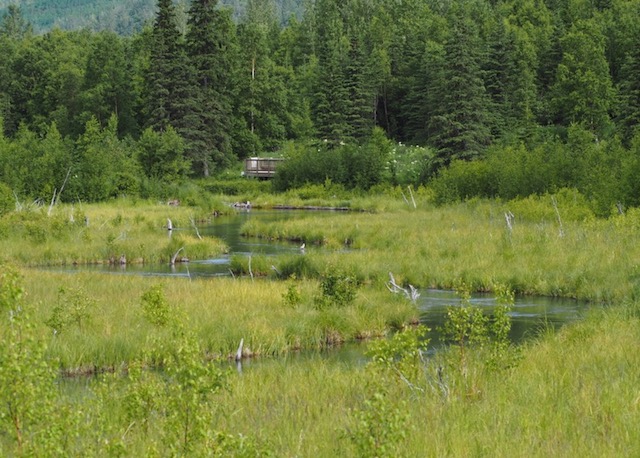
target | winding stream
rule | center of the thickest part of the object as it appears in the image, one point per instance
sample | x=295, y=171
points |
x=530, y=314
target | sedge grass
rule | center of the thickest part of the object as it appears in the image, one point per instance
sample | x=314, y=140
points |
x=572, y=394
x=471, y=243
x=220, y=312
x=102, y=233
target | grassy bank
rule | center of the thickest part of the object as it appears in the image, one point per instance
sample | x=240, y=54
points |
x=565, y=394
x=112, y=328
x=103, y=233
x=571, y=394
x=543, y=252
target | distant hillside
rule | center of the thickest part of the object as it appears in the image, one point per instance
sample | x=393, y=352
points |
x=122, y=16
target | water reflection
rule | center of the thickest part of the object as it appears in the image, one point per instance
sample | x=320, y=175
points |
x=529, y=316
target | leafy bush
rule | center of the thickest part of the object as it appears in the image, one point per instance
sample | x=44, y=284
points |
x=463, y=180
x=337, y=289
x=72, y=308
x=155, y=306
x=7, y=200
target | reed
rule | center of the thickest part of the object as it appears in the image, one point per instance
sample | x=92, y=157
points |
x=219, y=311
x=437, y=247
x=103, y=233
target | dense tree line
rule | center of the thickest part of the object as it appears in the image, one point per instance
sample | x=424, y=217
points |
x=469, y=81
x=124, y=17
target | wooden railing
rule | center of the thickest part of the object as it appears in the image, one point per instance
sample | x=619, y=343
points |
x=261, y=167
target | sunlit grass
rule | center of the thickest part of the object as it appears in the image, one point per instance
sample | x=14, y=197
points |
x=104, y=233
x=572, y=394
x=220, y=312
x=438, y=247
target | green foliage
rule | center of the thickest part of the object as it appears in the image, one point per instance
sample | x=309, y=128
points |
x=191, y=383
x=7, y=200
x=30, y=419
x=292, y=298
x=469, y=328
x=502, y=353
x=155, y=306
x=162, y=155
x=352, y=166
x=409, y=165
x=465, y=326
x=73, y=307
x=337, y=289
x=380, y=426
x=402, y=353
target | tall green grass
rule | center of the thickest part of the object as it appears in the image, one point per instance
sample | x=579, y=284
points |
x=102, y=233
x=574, y=255
x=572, y=394
x=220, y=312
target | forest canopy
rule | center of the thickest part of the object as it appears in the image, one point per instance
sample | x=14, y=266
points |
x=477, y=98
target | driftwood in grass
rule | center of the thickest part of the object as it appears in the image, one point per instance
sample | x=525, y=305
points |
x=175, y=255
x=412, y=293
x=56, y=195
x=239, y=351
x=555, y=207
x=508, y=216
x=193, y=223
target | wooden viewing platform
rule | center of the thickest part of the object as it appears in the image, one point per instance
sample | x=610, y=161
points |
x=261, y=167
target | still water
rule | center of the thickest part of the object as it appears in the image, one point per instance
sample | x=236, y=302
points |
x=529, y=316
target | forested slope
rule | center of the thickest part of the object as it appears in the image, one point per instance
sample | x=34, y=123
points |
x=495, y=98
x=121, y=16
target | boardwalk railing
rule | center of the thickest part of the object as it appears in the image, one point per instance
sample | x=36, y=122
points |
x=261, y=167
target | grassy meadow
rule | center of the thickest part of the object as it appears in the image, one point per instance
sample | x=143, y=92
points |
x=157, y=348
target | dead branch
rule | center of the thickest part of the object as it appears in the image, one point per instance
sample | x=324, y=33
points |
x=193, y=223
x=239, y=351
x=412, y=293
x=555, y=207
x=175, y=256
x=412, y=199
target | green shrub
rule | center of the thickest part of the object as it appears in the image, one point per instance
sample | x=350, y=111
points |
x=155, y=306
x=337, y=289
x=463, y=180
x=7, y=199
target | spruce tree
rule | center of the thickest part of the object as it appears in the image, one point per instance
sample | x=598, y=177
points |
x=629, y=118
x=583, y=91
x=330, y=99
x=211, y=50
x=165, y=75
x=460, y=126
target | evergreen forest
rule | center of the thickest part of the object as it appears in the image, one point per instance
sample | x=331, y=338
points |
x=473, y=98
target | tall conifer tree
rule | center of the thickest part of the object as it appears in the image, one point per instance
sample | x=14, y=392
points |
x=459, y=128
x=165, y=78
x=211, y=50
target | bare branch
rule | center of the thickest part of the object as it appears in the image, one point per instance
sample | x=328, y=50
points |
x=193, y=223
x=175, y=256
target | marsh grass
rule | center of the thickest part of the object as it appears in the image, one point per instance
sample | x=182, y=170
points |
x=103, y=233
x=572, y=394
x=471, y=242
x=219, y=311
